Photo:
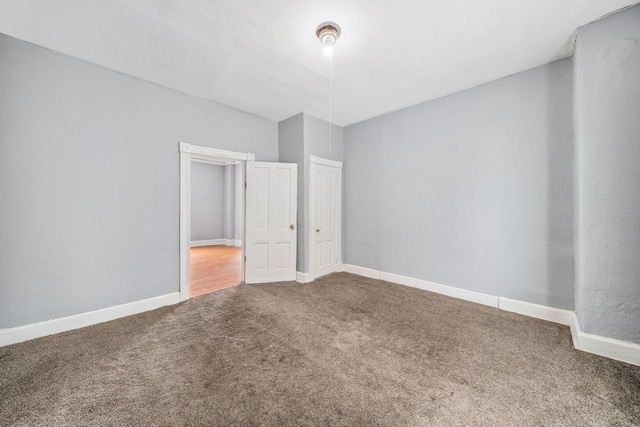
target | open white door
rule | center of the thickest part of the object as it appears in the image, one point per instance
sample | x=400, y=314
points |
x=325, y=230
x=270, y=233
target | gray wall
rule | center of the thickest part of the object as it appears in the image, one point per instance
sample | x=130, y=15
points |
x=291, y=150
x=238, y=198
x=318, y=141
x=89, y=181
x=300, y=137
x=608, y=133
x=229, y=203
x=473, y=190
x=208, y=193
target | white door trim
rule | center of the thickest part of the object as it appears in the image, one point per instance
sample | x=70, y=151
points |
x=314, y=160
x=326, y=162
x=189, y=153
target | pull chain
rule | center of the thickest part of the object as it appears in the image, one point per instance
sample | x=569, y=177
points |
x=330, y=97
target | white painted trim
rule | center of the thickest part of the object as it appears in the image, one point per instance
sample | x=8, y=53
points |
x=63, y=324
x=623, y=351
x=326, y=162
x=185, y=291
x=314, y=160
x=233, y=242
x=207, y=154
x=362, y=271
x=185, y=222
x=575, y=330
x=215, y=242
x=303, y=277
x=477, y=297
x=551, y=314
x=212, y=242
x=190, y=153
x=213, y=162
x=310, y=276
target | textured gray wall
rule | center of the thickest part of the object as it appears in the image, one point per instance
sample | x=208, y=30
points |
x=207, y=201
x=608, y=145
x=89, y=181
x=299, y=137
x=473, y=190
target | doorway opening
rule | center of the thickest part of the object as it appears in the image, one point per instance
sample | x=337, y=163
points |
x=216, y=236
x=211, y=227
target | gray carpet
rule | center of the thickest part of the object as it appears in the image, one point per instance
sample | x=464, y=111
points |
x=344, y=350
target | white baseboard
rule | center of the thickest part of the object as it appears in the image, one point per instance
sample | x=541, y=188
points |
x=210, y=242
x=362, y=271
x=476, y=297
x=185, y=290
x=311, y=276
x=623, y=351
x=63, y=324
x=303, y=277
x=551, y=314
x=450, y=291
x=215, y=242
x=232, y=242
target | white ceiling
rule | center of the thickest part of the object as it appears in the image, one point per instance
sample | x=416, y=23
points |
x=262, y=56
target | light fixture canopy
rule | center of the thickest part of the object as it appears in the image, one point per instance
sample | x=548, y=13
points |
x=328, y=33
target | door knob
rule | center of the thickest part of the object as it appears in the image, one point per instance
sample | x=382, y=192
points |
x=292, y=227
x=317, y=230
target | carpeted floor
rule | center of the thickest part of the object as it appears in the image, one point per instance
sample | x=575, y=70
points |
x=344, y=350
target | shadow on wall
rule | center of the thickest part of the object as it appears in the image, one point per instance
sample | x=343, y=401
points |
x=560, y=182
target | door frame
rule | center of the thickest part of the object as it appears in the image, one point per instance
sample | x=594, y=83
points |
x=315, y=160
x=189, y=153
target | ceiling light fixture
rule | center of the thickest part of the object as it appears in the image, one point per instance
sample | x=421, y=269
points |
x=328, y=34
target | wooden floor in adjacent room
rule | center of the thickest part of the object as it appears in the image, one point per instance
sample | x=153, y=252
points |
x=214, y=268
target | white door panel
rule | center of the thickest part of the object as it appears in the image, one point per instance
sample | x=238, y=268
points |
x=325, y=218
x=271, y=211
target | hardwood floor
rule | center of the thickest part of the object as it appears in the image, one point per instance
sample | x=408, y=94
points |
x=214, y=268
